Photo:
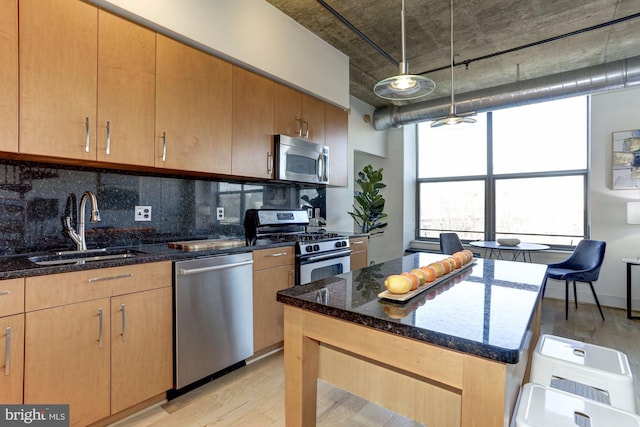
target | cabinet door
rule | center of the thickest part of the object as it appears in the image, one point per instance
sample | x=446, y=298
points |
x=288, y=111
x=67, y=359
x=9, y=75
x=268, y=317
x=313, y=118
x=193, y=109
x=336, y=126
x=253, y=113
x=360, y=254
x=126, y=91
x=11, y=358
x=58, y=62
x=141, y=347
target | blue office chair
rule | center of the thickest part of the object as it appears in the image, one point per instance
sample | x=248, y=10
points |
x=582, y=266
x=450, y=243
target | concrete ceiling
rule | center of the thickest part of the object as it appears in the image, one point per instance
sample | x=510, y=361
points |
x=481, y=28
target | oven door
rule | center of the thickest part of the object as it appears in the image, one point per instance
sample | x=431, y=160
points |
x=322, y=266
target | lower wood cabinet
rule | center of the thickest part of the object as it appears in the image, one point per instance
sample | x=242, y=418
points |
x=11, y=358
x=98, y=340
x=141, y=347
x=11, y=340
x=273, y=270
x=67, y=351
x=360, y=254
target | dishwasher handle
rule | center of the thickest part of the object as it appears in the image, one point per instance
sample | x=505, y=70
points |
x=187, y=272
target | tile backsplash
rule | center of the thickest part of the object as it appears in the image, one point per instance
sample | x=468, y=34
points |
x=33, y=201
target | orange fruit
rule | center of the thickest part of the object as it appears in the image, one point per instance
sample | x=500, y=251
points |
x=439, y=268
x=463, y=255
x=421, y=275
x=415, y=280
x=459, y=260
x=452, y=264
x=430, y=273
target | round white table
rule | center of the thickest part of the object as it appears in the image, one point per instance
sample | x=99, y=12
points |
x=630, y=262
x=521, y=249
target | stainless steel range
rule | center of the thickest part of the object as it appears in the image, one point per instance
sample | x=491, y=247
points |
x=318, y=254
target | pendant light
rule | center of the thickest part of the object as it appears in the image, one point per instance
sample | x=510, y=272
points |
x=452, y=118
x=404, y=86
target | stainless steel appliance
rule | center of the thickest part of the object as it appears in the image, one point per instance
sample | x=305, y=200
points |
x=213, y=315
x=301, y=161
x=318, y=254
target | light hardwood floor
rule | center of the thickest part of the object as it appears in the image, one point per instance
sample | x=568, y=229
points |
x=254, y=395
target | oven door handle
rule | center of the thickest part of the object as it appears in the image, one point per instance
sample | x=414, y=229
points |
x=328, y=256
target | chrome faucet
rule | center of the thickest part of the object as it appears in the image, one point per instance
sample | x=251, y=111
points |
x=79, y=236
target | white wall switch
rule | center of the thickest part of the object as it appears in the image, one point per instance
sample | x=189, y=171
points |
x=143, y=213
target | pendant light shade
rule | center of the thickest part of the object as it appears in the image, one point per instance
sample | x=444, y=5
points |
x=452, y=118
x=404, y=86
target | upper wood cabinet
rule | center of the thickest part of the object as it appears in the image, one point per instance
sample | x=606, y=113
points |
x=58, y=62
x=253, y=112
x=9, y=75
x=126, y=91
x=337, y=126
x=87, y=84
x=193, y=109
x=299, y=115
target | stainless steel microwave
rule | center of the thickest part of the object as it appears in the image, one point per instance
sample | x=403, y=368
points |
x=301, y=161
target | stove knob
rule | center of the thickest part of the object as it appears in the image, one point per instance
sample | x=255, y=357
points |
x=316, y=247
x=339, y=244
x=308, y=248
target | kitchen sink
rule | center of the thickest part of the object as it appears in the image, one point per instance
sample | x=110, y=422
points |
x=80, y=257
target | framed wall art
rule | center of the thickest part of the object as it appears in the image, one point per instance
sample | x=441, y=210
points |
x=626, y=159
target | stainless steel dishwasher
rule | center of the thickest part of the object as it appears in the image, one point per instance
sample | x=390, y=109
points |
x=213, y=315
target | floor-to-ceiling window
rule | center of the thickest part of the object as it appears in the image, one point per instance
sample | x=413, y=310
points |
x=518, y=172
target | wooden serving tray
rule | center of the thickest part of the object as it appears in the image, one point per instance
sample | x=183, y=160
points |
x=204, y=245
x=405, y=297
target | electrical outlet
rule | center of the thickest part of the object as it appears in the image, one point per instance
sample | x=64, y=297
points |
x=219, y=214
x=143, y=213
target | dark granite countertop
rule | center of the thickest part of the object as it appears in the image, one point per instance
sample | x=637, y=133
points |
x=485, y=310
x=16, y=266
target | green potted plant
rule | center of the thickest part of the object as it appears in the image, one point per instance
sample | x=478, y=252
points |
x=368, y=210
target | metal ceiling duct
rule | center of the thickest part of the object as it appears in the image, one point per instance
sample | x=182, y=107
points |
x=615, y=75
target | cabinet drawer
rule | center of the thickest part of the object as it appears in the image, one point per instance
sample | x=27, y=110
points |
x=11, y=297
x=359, y=243
x=276, y=257
x=68, y=288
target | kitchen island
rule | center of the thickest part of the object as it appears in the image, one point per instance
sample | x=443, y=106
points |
x=454, y=355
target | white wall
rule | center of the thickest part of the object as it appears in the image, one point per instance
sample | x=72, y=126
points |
x=610, y=112
x=251, y=33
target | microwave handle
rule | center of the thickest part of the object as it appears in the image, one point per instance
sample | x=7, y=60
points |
x=327, y=171
x=320, y=168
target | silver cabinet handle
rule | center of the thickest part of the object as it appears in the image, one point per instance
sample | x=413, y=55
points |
x=306, y=135
x=100, y=328
x=164, y=146
x=124, y=321
x=108, y=137
x=102, y=279
x=4, y=293
x=276, y=255
x=269, y=162
x=357, y=243
x=87, y=134
x=7, y=355
x=299, y=126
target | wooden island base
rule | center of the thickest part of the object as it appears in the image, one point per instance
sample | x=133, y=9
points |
x=432, y=385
